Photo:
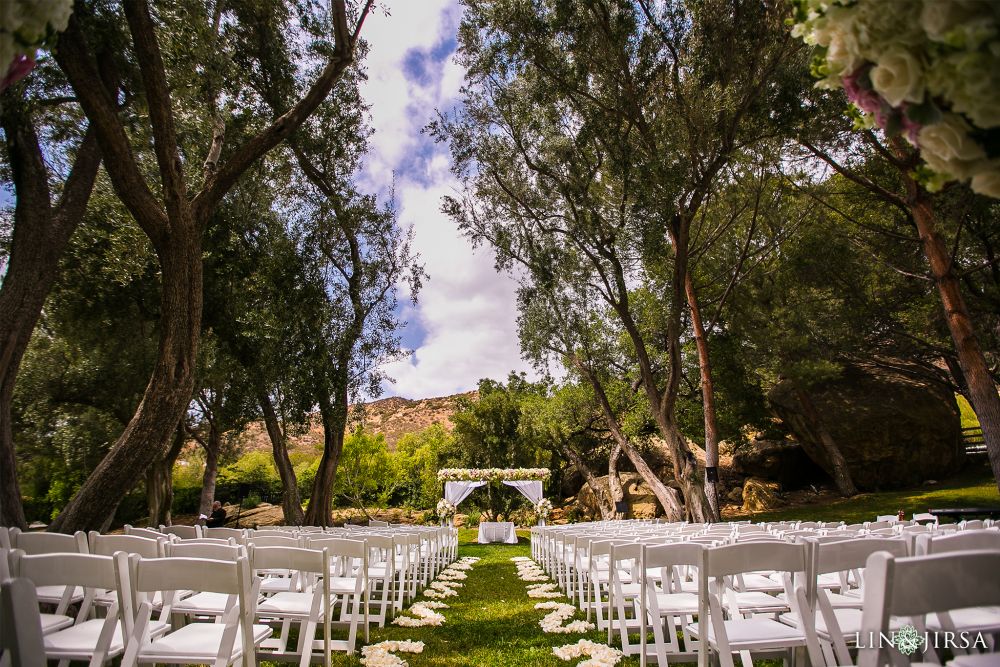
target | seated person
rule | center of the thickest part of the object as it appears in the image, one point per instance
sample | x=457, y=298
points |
x=218, y=517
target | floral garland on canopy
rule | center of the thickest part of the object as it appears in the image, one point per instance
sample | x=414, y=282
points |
x=926, y=69
x=493, y=474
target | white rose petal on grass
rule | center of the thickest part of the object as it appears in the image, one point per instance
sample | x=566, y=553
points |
x=380, y=655
x=899, y=77
x=600, y=655
x=561, y=612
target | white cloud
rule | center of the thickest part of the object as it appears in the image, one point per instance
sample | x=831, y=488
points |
x=466, y=310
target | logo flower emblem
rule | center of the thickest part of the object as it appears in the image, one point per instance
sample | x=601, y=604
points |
x=908, y=640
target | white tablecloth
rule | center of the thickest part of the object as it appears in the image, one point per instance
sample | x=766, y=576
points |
x=497, y=531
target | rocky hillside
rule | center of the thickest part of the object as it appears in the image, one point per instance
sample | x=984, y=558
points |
x=393, y=417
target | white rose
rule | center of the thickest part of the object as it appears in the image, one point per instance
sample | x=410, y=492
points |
x=948, y=140
x=987, y=182
x=959, y=22
x=899, y=77
x=842, y=53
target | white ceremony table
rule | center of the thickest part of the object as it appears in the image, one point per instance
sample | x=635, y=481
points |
x=497, y=531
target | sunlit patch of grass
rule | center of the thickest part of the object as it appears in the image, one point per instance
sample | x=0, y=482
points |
x=973, y=488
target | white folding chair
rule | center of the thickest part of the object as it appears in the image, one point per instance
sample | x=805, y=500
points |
x=837, y=616
x=20, y=626
x=183, y=532
x=151, y=533
x=204, y=603
x=974, y=619
x=237, y=534
x=53, y=543
x=667, y=608
x=94, y=640
x=348, y=581
x=760, y=632
x=310, y=607
x=230, y=641
x=381, y=575
x=109, y=545
x=917, y=586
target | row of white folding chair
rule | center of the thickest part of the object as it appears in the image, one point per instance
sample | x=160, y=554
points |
x=342, y=580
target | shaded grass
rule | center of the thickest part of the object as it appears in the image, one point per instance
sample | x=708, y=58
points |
x=974, y=487
x=492, y=621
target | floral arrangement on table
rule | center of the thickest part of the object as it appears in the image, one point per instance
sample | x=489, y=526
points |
x=926, y=69
x=26, y=26
x=543, y=508
x=493, y=474
x=446, y=509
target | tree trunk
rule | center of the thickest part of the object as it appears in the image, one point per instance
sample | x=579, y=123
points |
x=40, y=236
x=211, y=473
x=604, y=504
x=982, y=389
x=838, y=464
x=614, y=480
x=707, y=399
x=291, y=503
x=167, y=395
x=160, y=483
x=334, y=420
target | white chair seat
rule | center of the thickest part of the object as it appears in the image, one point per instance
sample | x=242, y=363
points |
x=79, y=641
x=290, y=605
x=844, y=601
x=754, y=632
x=970, y=619
x=202, y=604
x=343, y=584
x=53, y=622
x=377, y=572
x=750, y=601
x=759, y=582
x=828, y=580
x=54, y=594
x=277, y=585
x=195, y=641
x=677, y=603
x=849, y=621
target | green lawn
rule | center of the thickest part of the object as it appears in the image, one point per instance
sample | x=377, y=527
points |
x=973, y=488
x=492, y=621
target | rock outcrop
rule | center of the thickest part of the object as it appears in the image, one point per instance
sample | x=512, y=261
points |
x=893, y=430
x=760, y=495
x=641, y=501
x=783, y=461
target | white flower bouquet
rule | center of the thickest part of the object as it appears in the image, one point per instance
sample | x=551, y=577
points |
x=492, y=474
x=543, y=508
x=446, y=509
x=926, y=69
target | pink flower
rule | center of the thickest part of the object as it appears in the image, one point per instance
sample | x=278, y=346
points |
x=19, y=68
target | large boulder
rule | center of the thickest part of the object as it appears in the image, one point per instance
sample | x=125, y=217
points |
x=641, y=501
x=760, y=495
x=892, y=428
x=783, y=461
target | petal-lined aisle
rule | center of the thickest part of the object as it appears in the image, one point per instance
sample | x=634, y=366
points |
x=490, y=621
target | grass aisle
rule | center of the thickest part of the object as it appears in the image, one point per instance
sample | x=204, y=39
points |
x=491, y=621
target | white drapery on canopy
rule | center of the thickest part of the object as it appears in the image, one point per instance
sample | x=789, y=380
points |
x=530, y=489
x=456, y=492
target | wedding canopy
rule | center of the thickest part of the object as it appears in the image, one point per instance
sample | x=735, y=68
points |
x=460, y=482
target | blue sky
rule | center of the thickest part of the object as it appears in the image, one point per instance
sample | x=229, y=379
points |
x=464, y=326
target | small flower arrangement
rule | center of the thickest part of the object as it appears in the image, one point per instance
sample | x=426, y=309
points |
x=926, y=69
x=493, y=474
x=26, y=26
x=543, y=508
x=380, y=654
x=445, y=509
